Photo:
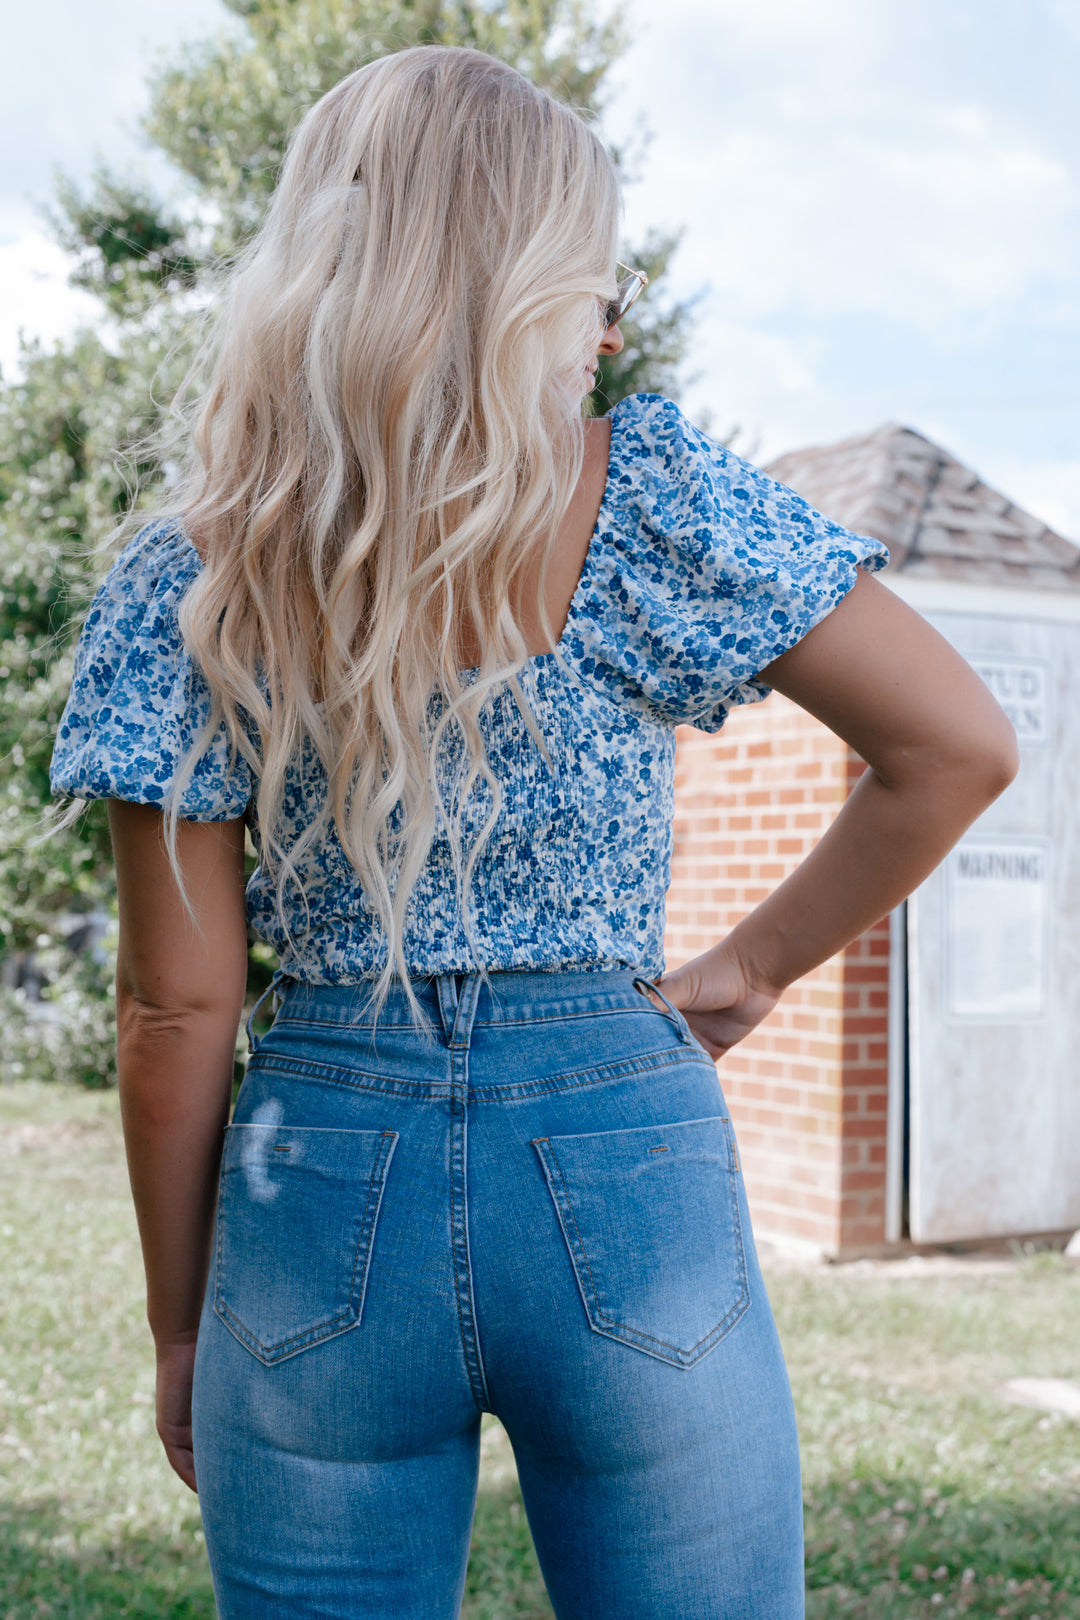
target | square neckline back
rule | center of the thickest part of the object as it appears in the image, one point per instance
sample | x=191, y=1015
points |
x=559, y=650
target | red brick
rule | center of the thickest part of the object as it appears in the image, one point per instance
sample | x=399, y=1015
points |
x=807, y=1090
x=862, y=1181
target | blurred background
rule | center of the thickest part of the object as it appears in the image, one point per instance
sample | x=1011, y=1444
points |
x=878, y=200
x=861, y=221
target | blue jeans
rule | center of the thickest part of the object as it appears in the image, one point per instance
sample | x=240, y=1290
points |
x=542, y=1216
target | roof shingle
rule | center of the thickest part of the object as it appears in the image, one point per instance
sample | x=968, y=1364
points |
x=936, y=516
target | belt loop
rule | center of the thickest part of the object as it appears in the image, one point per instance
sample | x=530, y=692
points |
x=447, y=990
x=680, y=1020
x=271, y=989
x=461, y=1034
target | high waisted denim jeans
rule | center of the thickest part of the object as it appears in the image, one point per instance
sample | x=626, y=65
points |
x=542, y=1216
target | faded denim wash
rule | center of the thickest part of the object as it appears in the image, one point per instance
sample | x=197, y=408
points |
x=542, y=1216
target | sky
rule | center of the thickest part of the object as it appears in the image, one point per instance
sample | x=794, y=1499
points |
x=880, y=202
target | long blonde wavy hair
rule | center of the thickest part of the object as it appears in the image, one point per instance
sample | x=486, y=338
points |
x=390, y=436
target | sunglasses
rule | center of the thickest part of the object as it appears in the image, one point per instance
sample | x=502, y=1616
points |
x=627, y=289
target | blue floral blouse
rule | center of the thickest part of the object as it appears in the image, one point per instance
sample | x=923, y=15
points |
x=701, y=570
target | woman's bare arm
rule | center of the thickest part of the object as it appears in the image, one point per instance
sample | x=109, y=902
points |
x=939, y=748
x=179, y=998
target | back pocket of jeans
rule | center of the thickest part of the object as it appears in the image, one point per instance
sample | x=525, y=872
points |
x=297, y=1210
x=651, y=1221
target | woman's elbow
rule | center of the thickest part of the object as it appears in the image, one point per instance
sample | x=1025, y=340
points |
x=996, y=756
x=979, y=769
x=1003, y=763
x=973, y=766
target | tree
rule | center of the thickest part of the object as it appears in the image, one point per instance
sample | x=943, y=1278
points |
x=222, y=114
x=221, y=111
x=61, y=492
x=225, y=109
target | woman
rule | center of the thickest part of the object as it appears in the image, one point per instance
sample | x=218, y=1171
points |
x=427, y=633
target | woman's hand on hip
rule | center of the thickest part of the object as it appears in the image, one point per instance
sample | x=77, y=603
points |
x=717, y=998
x=175, y=1366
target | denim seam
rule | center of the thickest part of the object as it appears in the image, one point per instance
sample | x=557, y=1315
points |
x=285, y=1017
x=730, y=1316
x=332, y=1074
x=733, y=1161
x=377, y=1179
x=479, y=1402
x=588, y=1077
x=568, y=1080
x=459, y=1038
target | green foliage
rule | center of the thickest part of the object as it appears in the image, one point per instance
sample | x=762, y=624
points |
x=64, y=427
x=70, y=1035
x=126, y=248
x=655, y=334
x=224, y=110
x=74, y=425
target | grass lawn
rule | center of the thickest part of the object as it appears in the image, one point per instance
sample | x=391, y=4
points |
x=927, y=1494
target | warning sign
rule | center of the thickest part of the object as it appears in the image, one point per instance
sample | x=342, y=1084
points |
x=997, y=918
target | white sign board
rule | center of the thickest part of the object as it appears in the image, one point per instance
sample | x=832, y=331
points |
x=1021, y=686
x=993, y=965
x=996, y=917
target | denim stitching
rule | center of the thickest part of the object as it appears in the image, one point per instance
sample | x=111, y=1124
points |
x=736, y=1217
x=285, y=1017
x=439, y=1090
x=737, y=1310
x=458, y=1046
x=480, y=1406
x=219, y=1229
x=366, y=1240
x=328, y=1074
x=350, y=1317
x=525, y=1089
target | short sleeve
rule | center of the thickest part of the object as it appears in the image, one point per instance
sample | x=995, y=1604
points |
x=702, y=570
x=138, y=701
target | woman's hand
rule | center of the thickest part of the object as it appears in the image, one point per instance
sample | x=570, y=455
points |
x=718, y=999
x=175, y=1365
x=940, y=750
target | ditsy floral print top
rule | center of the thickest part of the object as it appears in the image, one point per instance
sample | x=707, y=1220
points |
x=701, y=570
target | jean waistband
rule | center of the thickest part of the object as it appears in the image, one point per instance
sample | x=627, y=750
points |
x=463, y=1000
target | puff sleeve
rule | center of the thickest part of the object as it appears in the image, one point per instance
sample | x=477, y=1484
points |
x=137, y=699
x=701, y=572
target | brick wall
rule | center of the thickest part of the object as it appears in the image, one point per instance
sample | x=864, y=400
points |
x=807, y=1090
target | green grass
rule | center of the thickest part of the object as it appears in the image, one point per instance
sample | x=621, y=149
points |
x=927, y=1494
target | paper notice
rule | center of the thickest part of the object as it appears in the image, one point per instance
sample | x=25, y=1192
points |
x=997, y=916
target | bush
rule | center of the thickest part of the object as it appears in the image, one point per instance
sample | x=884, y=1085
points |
x=70, y=1034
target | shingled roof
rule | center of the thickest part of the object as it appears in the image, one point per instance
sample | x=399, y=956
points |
x=937, y=517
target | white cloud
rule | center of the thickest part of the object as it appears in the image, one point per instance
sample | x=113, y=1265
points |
x=1067, y=15
x=843, y=168
x=74, y=85
x=991, y=217
x=878, y=198
x=749, y=378
x=35, y=296
x=934, y=213
x=765, y=21
x=1049, y=489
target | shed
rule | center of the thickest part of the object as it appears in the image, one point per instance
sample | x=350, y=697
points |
x=920, y=1086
